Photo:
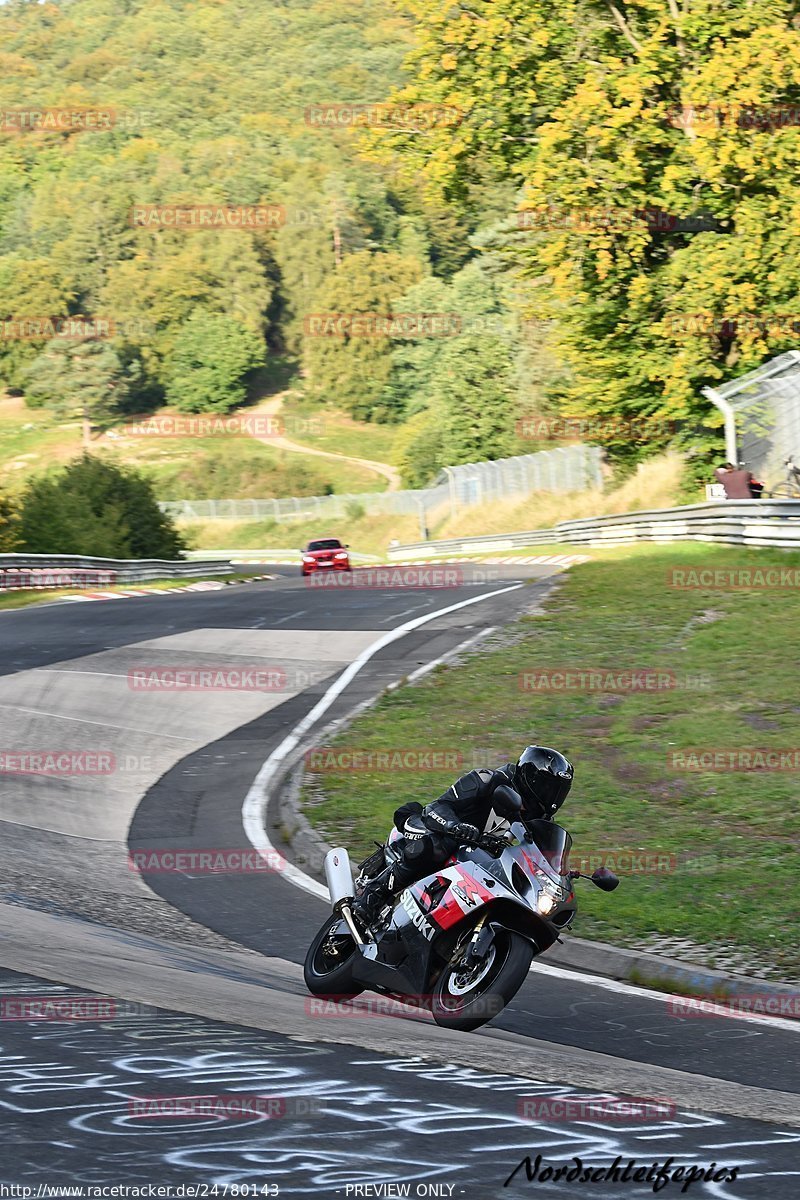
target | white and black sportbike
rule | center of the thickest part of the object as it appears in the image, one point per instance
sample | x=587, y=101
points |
x=460, y=941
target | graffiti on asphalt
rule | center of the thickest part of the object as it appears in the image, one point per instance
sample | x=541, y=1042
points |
x=71, y=1085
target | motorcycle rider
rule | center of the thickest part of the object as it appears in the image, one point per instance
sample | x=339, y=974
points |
x=465, y=815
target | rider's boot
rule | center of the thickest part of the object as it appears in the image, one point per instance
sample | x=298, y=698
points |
x=379, y=891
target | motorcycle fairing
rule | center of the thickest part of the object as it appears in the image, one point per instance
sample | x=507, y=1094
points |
x=426, y=919
x=461, y=891
x=401, y=960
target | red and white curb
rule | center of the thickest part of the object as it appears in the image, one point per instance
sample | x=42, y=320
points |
x=206, y=585
x=549, y=560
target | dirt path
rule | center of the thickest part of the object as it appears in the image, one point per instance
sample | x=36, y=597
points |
x=273, y=407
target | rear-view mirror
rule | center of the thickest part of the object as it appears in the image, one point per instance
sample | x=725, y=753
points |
x=506, y=802
x=604, y=879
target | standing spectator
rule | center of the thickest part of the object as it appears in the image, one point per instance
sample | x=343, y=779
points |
x=738, y=482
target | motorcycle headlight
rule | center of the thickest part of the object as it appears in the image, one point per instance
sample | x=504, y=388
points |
x=546, y=903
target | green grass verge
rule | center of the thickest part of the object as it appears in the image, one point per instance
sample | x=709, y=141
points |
x=734, y=834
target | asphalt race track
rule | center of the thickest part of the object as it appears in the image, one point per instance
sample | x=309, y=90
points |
x=196, y=977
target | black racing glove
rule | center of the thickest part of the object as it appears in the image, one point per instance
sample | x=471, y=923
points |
x=465, y=833
x=493, y=844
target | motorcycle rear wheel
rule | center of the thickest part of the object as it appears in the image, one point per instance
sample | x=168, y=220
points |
x=461, y=1003
x=328, y=977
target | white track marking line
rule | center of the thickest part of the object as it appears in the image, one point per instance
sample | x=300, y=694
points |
x=301, y=613
x=405, y=612
x=630, y=989
x=69, y=671
x=40, y=712
x=256, y=801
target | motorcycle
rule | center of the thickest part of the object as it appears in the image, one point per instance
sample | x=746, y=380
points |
x=460, y=941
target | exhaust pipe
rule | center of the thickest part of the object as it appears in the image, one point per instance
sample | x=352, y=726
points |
x=338, y=875
x=339, y=878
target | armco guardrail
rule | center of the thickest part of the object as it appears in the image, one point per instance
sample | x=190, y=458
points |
x=280, y=555
x=24, y=571
x=726, y=522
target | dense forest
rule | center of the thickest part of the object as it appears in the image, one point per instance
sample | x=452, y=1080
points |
x=547, y=185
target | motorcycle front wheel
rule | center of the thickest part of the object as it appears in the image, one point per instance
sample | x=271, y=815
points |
x=466, y=999
x=328, y=969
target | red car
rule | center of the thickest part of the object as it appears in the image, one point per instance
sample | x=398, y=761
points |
x=325, y=554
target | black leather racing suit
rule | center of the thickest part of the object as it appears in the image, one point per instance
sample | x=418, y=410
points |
x=431, y=836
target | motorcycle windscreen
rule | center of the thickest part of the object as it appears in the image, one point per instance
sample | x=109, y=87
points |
x=554, y=842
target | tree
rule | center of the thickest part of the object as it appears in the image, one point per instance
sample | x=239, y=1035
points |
x=9, y=525
x=466, y=383
x=349, y=364
x=473, y=392
x=30, y=288
x=85, y=376
x=652, y=108
x=413, y=361
x=417, y=449
x=212, y=357
x=96, y=508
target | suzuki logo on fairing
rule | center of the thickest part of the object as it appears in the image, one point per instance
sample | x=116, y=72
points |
x=417, y=919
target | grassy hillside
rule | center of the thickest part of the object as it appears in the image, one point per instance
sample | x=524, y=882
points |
x=192, y=468
x=334, y=430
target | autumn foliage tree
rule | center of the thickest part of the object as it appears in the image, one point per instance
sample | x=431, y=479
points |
x=599, y=111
